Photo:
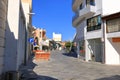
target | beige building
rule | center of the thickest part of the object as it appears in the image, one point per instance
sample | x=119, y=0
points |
x=40, y=34
x=57, y=37
x=3, y=15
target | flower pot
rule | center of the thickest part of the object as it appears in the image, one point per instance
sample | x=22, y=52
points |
x=41, y=55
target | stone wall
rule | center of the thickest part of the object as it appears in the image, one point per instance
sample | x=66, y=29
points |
x=3, y=15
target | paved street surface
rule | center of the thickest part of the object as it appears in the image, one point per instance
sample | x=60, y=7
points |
x=63, y=66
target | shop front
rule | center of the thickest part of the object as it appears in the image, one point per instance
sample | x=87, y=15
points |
x=95, y=49
x=112, y=38
x=93, y=42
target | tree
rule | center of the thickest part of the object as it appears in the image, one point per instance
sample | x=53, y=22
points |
x=68, y=45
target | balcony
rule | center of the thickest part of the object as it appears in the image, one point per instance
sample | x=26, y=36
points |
x=76, y=4
x=83, y=14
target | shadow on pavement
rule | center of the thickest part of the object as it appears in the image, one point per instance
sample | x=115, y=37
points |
x=46, y=78
x=72, y=54
x=27, y=73
x=116, y=77
x=31, y=75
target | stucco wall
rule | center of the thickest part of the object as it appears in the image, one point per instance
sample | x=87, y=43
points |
x=12, y=35
x=80, y=29
x=98, y=6
x=110, y=7
x=94, y=34
x=21, y=40
x=26, y=9
x=112, y=54
x=87, y=51
x=15, y=36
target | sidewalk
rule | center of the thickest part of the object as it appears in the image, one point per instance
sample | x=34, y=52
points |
x=27, y=72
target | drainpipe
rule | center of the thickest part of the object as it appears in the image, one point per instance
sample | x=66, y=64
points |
x=104, y=41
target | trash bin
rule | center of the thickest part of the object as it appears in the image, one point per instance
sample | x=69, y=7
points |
x=12, y=75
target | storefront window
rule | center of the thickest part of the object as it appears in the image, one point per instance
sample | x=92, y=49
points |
x=94, y=23
x=113, y=25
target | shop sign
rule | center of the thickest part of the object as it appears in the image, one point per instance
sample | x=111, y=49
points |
x=116, y=39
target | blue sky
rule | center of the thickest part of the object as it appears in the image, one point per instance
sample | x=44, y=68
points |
x=54, y=16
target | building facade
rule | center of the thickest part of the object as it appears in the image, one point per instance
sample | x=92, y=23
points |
x=13, y=34
x=89, y=29
x=111, y=24
x=57, y=37
x=3, y=20
x=16, y=34
x=27, y=8
x=40, y=36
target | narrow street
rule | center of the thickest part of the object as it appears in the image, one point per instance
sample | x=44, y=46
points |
x=65, y=67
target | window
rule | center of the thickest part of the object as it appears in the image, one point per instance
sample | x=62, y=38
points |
x=87, y=2
x=113, y=25
x=94, y=23
x=90, y=2
x=80, y=6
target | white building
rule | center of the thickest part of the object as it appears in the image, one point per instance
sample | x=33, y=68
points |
x=90, y=32
x=16, y=33
x=57, y=37
x=15, y=36
x=111, y=24
x=27, y=8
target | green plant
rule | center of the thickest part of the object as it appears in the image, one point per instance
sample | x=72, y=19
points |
x=68, y=45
